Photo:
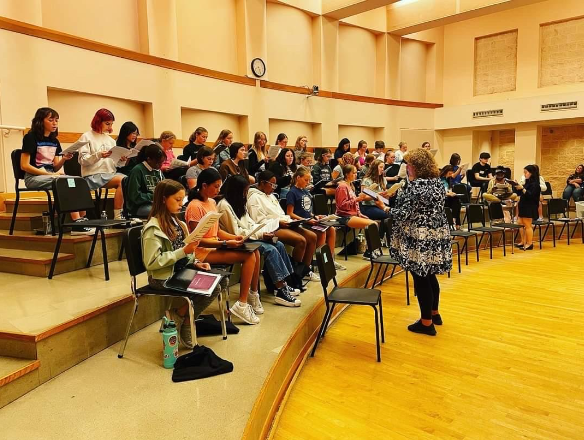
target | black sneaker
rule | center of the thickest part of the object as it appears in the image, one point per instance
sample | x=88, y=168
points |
x=285, y=299
x=437, y=319
x=82, y=230
x=418, y=327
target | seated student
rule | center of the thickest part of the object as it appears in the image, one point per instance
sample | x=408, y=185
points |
x=143, y=180
x=321, y=172
x=365, y=168
x=391, y=168
x=235, y=166
x=41, y=158
x=426, y=145
x=283, y=168
x=258, y=154
x=378, y=151
x=452, y=201
x=499, y=189
x=263, y=206
x=346, y=159
x=96, y=167
x=481, y=171
x=281, y=142
x=237, y=222
x=343, y=148
x=218, y=246
x=166, y=140
x=375, y=180
x=348, y=203
x=299, y=207
x=301, y=143
x=205, y=159
x=361, y=154
x=401, y=152
x=127, y=138
x=225, y=138
x=574, y=185
x=164, y=252
x=305, y=160
x=196, y=141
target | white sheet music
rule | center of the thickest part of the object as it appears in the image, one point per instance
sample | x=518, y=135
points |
x=203, y=226
x=74, y=147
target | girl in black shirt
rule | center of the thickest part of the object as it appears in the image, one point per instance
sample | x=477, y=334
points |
x=528, y=204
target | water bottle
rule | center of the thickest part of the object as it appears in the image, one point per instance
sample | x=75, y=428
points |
x=47, y=223
x=103, y=215
x=169, y=343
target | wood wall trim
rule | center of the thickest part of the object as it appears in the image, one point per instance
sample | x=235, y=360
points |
x=95, y=46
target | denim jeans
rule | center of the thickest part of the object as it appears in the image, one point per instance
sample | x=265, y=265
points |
x=276, y=260
x=375, y=213
x=571, y=191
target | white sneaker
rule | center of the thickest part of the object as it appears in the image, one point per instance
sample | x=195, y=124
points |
x=253, y=299
x=291, y=290
x=540, y=219
x=244, y=312
x=82, y=230
x=339, y=266
x=312, y=276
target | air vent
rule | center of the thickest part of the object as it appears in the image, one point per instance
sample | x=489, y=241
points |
x=487, y=113
x=570, y=105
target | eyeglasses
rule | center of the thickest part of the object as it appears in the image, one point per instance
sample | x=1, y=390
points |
x=273, y=185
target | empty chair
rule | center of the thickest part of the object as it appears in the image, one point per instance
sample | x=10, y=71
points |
x=345, y=295
x=476, y=215
x=320, y=207
x=465, y=235
x=558, y=212
x=376, y=256
x=497, y=218
x=133, y=245
x=388, y=224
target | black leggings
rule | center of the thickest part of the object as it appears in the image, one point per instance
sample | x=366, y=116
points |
x=428, y=293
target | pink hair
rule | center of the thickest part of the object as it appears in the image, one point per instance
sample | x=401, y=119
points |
x=102, y=115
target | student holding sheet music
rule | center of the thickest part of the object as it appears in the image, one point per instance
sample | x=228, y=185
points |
x=452, y=201
x=197, y=141
x=283, y=168
x=375, y=181
x=143, y=179
x=258, y=154
x=220, y=247
x=360, y=154
x=236, y=221
x=224, y=140
x=263, y=206
x=205, y=159
x=164, y=252
x=172, y=168
x=299, y=207
x=235, y=165
x=391, y=168
x=346, y=159
x=343, y=148
x=41, y=158
x=301, y=143
x=96, y=166
x=127, y=138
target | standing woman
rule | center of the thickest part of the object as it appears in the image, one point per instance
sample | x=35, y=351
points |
x=196, y=141
x=96, y=167
x=301, y=143
x=283, y=168
x=127, y=138
x=224, y=138
x=421, y=240
x=258, y=154
x=528, y=203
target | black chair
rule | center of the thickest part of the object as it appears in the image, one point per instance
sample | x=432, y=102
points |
x=320, y=207
x=73, y=194
x=344, y=295
x=476, y=215
x=461, y=191
x=470, y=178
x=388, y=226
x=497, y=219
x=376, y=256
x=18, y=176
x=72, y=167
x=133, y=245
x=559, y=207
x=454, y=233
x=283, y=204
x=547, y=223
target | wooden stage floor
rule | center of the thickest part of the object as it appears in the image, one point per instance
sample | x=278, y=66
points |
x=508, y=363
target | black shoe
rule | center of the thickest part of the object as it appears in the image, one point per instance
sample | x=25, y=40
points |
x=284, y=298
x=418, y=327
x=519, y=246
x=529, y=248
x=437, y=319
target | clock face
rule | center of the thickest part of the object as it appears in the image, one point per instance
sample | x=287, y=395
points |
x=258, y=67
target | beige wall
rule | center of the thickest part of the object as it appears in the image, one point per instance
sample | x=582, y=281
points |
x=495, y=63
x=562, y=53
x=114, y=22
x=356, y=133
x=214, y=122
x=29, y=11
x=504, y=149
x=413, y=70
x=357, y=60
x=289, y=63
x=292, y=129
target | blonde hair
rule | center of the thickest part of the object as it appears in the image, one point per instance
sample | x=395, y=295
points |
x=424, y=164
x=167, y=136
x=221, y=137
x=260, y=151
x=300, y=172
x=194, y=134
x=373, y=174
x=297, y=145
x=303, y=156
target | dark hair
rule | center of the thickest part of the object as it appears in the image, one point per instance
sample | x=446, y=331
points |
x=576, y=170
x=153, y=151
x=379, y=144
x=342, y=144
x=126, y=130
x=484, y=156
x=195, y=133
x=234, y=148
x=323, y=153
x=37, y=125
x=361, y=143
x=445, y=170
x=204, y=152
x=424, y=143
x=102, y=115
x=233, y=192
x=281, y=159
x=265, y=176
x=207, y=176
x=281, y=137
x=534, y=171
x=455, y=159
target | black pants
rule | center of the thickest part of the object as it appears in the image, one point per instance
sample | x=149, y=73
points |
x=428, y=293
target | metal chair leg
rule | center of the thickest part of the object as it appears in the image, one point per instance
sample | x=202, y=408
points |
x=222, y=311
x=55, y=254
x=14, y=211
x=368, y=276
x=319, y=335
x=51, y=213
x=104, y=251
x=377, y=334
x=125, y=340
x=407, y=288
x=92, y=248
x=381, y=319
x=328, y=319
x=192, y=320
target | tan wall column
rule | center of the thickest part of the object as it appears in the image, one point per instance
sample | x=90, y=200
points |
x=527, y=147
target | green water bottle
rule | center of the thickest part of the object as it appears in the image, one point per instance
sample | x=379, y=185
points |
x=169, y=343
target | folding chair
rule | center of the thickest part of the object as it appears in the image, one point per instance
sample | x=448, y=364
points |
x=18, y=176
x=496, y=217
x=476, y=215
x=344, y=295
x=133, y=245
x=388, y=223
x=73, y=194
x=559, y=207
x=321, y=208
x=376, y=256
x=73, y=168
x=462, y=234
x=461, y=191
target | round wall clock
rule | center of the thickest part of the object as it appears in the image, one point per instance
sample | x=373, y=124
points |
x=258, y=67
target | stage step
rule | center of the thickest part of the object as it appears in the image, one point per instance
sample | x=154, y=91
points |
x=25, y=221
x=34, y=263
x=17, y=377
x=40, y=204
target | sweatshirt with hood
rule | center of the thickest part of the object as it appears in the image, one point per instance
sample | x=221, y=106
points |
x=262, y=207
